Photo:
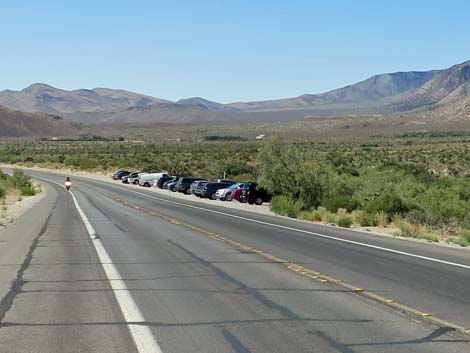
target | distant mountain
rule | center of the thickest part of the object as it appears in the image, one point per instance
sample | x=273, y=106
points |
x=14, y=123
x=47, y=99
x=214, y=106
x=373, y=91
x=446, y=88
x=166, y=113
x=378, y=95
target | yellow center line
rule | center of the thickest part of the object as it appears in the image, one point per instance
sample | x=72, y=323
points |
x=301, y=270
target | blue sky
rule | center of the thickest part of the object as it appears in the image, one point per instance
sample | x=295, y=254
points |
x=228, y=50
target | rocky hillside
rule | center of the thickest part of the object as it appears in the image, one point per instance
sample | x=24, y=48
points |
x=376, y=90
x=18, y=124
x=446, y=88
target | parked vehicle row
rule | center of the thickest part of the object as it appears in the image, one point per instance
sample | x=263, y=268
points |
x=219, y=189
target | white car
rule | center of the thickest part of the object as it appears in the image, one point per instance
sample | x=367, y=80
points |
x=222, y=194
x=135, y=180
x=148, y=179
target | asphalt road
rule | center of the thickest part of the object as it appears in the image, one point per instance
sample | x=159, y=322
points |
x=112, y=268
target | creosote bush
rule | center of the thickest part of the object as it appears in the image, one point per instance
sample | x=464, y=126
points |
x=344, y=221
x=285, y=206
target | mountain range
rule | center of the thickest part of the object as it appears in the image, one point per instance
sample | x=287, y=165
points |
x=384, y=94
x=14, y=123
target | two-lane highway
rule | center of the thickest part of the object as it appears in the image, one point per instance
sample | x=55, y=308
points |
x=208, y=279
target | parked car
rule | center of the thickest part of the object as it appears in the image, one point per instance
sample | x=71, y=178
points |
x=135, y=179
x=235, y=194
x=170, y=184
x=119, y=174
x=222, y=194
x=114, y=175
x=208, y=190
x=184, y=183
x=163, y=179
x=196, y=187
x=125, y=179
x=147, y=180
x=253, y=194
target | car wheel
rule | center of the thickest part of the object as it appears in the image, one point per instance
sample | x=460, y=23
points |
x=228, y=197
x=259, y=201
x=172, y=189
x=146, y=184
x=187, y=192
x=212, y=196
x=136, y=182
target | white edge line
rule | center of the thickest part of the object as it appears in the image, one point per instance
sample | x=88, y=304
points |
x=142, y=335
x=290, y=228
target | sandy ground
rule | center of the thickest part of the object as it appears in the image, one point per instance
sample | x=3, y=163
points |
x=263, y=209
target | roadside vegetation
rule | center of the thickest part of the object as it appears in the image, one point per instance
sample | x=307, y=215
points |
x=415, y=185
x=18, y=183
x=422, y=192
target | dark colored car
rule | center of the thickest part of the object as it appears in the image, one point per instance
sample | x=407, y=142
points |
x=170, y=184
x=114, y=175
x=118, y=175
x=253, y=194
x=184, y=183
x=209, y=189
x=196, y=187
x=163, y=179
x=125, y=178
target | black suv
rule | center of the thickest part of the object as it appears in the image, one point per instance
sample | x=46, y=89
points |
x=163, y=179
x=208, y=190
x=184, y=183
x=251, y=193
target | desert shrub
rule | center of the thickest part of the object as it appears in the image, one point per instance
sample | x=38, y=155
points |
x=330, y=217
x=344, y=221
x=407, y=229
x=442, y=205
x=316, y=216
x=313, y=216
x=295, y=172
x=2, y=190
x=466, y=236
x=381, y=218
x=27, y=190
x=461, y=241
x=19, y=179
x=388, y=203
x=364, y=219
x=332, y=204
x=285, y=206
